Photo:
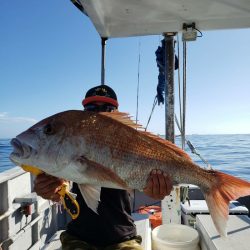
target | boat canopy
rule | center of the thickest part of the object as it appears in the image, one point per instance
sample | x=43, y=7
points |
x=123, y=18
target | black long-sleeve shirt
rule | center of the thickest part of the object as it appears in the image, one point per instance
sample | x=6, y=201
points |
x=113, y=223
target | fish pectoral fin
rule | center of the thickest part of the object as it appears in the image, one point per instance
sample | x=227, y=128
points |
x=101, y=173
x=91, y=195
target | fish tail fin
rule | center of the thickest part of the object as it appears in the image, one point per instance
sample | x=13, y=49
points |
x=224, y=189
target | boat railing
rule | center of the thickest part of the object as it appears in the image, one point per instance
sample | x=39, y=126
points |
x=26, y=220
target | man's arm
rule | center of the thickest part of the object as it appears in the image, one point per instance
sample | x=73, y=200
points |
x=159, y=185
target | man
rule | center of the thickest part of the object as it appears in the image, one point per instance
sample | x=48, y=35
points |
x=113, y=226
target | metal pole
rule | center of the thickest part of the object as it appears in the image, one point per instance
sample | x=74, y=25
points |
x=169, y=89
x=171, y=206
x=104, y=39
x=183, y=136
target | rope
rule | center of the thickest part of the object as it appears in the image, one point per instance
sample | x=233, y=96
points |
x=138, y=80
x=182, y=125
x=154, y=104
x=182, y=101
x=190, y=145
x=193, y=150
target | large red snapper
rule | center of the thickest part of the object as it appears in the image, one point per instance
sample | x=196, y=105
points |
x=106, y=150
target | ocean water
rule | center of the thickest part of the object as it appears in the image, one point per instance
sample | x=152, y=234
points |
x=227, y=153
x=5, y=150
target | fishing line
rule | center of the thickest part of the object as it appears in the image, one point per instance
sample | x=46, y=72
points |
x=191, y=147
x=138, y=79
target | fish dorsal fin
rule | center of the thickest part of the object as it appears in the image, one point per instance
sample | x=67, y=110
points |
x=126, y=119
x=122, y=117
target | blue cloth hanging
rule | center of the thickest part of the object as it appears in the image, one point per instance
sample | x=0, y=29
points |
x=160, y=60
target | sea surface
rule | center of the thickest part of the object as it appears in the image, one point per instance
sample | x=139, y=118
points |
x=228, y=153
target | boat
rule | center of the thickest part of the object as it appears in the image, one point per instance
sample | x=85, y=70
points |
x=29, y=222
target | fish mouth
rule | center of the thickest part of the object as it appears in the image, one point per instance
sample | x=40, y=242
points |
x=20, y=150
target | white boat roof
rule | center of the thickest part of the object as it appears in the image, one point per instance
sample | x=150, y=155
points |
x=123, y=18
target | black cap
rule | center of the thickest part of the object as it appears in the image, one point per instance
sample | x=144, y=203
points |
x=101, y=93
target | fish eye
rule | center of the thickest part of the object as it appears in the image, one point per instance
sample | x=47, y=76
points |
x=48, y=129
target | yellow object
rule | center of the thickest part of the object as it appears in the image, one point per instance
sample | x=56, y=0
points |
x=69, y=201
x=67, y=198
x=33, y=170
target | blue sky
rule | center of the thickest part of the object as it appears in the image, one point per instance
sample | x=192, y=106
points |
x=50, y=56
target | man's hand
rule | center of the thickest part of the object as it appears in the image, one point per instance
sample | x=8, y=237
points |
x=158, y=186
x=47, y=187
